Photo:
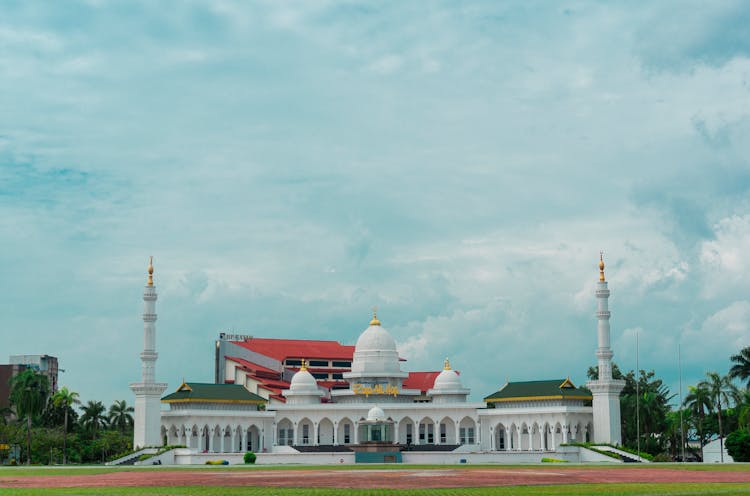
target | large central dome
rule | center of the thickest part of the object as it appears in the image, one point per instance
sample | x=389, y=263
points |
x=375, y=354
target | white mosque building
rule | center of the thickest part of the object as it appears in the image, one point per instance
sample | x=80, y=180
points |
x=355, y=404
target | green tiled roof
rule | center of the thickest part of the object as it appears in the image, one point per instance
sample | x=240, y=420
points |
x=212, y=393
x=539, y=390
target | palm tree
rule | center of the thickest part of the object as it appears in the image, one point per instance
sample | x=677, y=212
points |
x=741, y=368
x=120, y=415
x=721, y=390
x=698, y=402
x=93, y=417
x=65, y=398
x=28, y=393
x=744, y=414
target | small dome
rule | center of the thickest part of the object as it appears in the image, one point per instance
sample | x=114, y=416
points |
x=376, y=414
x=303, y=382
x=376, y=338
x=448, y=379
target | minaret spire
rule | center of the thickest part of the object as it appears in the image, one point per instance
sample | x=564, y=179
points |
x=147, y=421
x=605, y=390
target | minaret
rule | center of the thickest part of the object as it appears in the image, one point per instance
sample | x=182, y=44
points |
x=147, y=428
x=605, y=390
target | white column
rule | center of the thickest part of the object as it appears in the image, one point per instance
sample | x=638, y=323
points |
x=457, y=431
x=356, y=432
x=211, y=435
x=395, y=432
x=294, y=433
x=274, y=434
x=531, y=437
x=188, y=437
x=519, y=431
x=565, y=433
x=543, y=439
x=244, y=441
x=554, y=441
x=336, y=433
x=436, y=432
x=316, y=433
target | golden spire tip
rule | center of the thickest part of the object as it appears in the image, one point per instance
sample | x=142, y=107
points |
x=303, y=366
x=374, y=321
x=151, y=271
x=446, y=364
x=601, y=266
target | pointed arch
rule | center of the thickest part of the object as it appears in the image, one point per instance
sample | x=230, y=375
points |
x=407, y=431
x=325, y=432
x=285, y=432
x=305, y=432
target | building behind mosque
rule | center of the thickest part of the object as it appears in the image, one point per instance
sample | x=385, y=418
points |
x=309, y=401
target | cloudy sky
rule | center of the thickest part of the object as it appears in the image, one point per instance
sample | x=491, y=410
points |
x=459, y=165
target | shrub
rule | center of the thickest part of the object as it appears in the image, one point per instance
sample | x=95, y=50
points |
x=738, y=445
x=662, y=457
x=553, y=460
x=250, y=457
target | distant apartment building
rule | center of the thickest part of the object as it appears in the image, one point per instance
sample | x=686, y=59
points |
x=44, y=364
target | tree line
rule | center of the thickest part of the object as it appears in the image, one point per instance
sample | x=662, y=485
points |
x=48, y=428
x=715, y=407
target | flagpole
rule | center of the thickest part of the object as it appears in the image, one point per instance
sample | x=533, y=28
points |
x=637, y=397
x=682, y=425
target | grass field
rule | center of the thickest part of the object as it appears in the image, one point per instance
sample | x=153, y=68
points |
x=569, y=490
x=99, y=469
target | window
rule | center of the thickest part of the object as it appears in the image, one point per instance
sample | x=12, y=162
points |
x=294, y=363
x=318, y=363
x=286, y=437
x=305, y=433
x=249, y=446
x=338, y=376
x=426, y=433
x=343, y=365
x=347, y=433
x=467, y=436
x=443, y=436
x=409, y=434
x=320, y=375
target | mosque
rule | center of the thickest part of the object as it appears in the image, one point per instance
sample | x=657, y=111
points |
x=311, y=401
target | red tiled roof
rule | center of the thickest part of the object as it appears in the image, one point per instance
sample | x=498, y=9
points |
x=278, y=397
x=273, y=383
x=251, y=365
x=281, y=349
x=270, y=388
x=420, y=380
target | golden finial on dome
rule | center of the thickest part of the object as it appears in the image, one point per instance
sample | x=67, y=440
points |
x=374, y=321
x=303, y=366
x=601, y=266
x=446, y=364
x=151, y=271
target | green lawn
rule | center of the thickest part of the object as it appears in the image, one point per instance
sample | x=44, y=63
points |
x=572, y=490
x=99, y=469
